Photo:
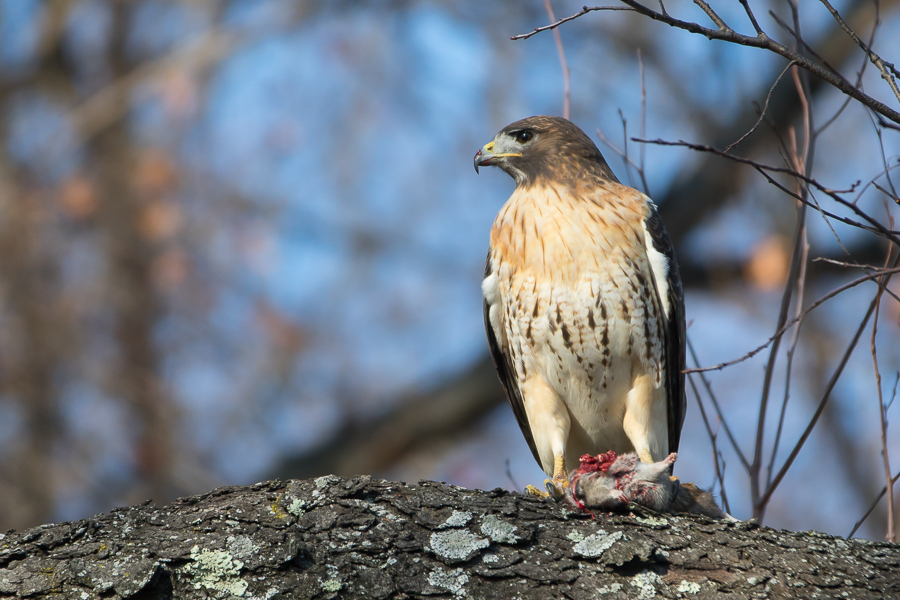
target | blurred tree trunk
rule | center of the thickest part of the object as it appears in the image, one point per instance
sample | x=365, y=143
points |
x=131, y=222
x=34, y=350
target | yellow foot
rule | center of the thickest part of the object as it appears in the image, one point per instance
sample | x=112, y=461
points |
x=645, y=457
x=533, y=491
x=557, y=486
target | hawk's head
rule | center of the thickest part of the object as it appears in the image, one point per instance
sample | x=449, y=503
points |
x=542, y=147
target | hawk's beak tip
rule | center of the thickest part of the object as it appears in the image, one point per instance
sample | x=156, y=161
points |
x=483, y=157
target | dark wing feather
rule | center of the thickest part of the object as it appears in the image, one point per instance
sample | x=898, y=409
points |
x=674, y=330
x=507, y=373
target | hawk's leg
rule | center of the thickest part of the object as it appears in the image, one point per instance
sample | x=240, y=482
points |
x=557, y=486
x=645, y=421
x=548, y=419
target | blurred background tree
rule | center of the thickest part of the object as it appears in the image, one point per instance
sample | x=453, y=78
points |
x=243, y=239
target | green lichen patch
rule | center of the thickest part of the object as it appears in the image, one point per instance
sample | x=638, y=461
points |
x=613, y=588
x=215, y=570
x=459, y=518
x=457, y=545
x=650, y=521
x=296, y=507
x=646, y=582
x=575, y=536
x=597, y=543
x=499, y=531
x=453, y=581
x=688, y=587
x=240, y=546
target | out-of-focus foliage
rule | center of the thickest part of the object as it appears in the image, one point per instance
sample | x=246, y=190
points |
x=235, y=233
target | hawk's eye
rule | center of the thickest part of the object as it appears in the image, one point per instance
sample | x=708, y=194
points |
x=524, y=136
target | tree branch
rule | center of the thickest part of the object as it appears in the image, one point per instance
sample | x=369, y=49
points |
x=360, y=538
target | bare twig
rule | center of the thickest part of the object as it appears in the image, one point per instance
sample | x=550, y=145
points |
x=625, y=146
x=831, y=383
x=762, y=113
x=859, y=76
x=713, y=16
x=891, y=533
x=764, y=170
x=585, y=10
x=712, y=439
x=761, y=40
x=874, y=504
x=790, y=323
x=752, y=18
x=562, y=58
x=794, y=273
x=715, y=401
x=642, y=148
x=801, y=162
x=794, y=33
x=887, y=69
x=795, y=338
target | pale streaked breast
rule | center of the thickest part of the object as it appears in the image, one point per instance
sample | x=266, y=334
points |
x=576, y=302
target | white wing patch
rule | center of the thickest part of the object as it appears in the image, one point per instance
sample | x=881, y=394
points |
x=490, y=287
x=659, y=264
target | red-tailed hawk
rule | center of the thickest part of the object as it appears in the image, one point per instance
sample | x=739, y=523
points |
x=583, y=303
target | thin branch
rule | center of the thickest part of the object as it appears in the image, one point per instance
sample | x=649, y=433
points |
x=887, y=69
x=629, y=164
x=762, y=113
x=642, y=148
x=797, y=256
x=715, y=401
x=625, y=146
x=764, y=170
x=806, y=47
x=585, y=10
x=887, y=406
x=790, y=323
x=562, y=58
x=752, y=18
x=802, y=162
x=859, y=75
x=713, y=16
x=761, y=40
x=891, y=533
x=712, y=440
x=831, y=383
x=874, y=504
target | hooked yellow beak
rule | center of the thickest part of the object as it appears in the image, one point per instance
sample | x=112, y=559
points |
x=484, y=156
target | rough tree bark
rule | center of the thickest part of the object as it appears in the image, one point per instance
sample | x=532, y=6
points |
x=362, y=538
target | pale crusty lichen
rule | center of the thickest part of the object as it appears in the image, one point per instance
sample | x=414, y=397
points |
x=646, y=582
x=453, y=581
x=457, y=545
x=215, y=570
x=459, y=518
x=499, y=531
x=597, y=543
x=296, y=507
x=240, y=546
x=688, y=587
x=575, y=536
